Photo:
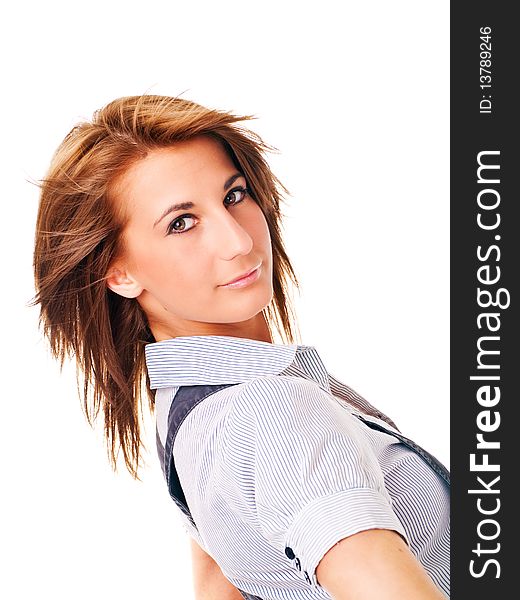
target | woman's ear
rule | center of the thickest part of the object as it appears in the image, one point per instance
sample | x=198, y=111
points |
x=120, y=281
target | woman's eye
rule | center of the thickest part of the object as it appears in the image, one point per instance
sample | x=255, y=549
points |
x=237, y=195
x=174, y=226
x=178, y=225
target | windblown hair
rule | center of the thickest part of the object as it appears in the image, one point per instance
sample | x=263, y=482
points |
x=79, y=233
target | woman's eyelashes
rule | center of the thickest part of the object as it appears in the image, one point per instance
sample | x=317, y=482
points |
x=242, y=190
x=178, y=225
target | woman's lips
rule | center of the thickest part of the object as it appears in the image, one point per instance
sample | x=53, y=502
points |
x=248, y=279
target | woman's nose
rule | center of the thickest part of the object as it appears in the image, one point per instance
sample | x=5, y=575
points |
x=231, y=238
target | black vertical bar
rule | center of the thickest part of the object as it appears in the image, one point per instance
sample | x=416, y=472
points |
x=485, y=257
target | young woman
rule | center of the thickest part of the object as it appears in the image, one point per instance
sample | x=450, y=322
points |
x=160, y=266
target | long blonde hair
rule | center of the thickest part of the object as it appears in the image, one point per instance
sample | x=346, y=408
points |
x=78, y=234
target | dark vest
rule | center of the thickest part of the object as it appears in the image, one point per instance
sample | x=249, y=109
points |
x=187, y=398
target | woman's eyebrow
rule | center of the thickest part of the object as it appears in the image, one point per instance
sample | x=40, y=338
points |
x=230, y=181
x=174, y=207
x=189, y=205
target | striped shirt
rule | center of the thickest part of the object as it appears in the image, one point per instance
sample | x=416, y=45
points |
x=279, y=467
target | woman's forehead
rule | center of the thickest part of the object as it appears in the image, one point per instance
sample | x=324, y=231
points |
x=173, y=174
x=181, y=161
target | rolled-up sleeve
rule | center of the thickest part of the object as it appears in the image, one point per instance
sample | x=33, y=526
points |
x=312, y=478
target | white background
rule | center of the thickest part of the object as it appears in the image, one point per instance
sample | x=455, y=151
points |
x=355, y=97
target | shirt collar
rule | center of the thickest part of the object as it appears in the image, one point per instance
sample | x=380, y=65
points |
x=214, y=359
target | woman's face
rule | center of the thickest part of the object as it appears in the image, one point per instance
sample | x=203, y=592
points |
x=177, y=258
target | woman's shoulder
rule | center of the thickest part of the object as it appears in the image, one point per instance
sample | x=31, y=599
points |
x=270, y=389
x=287, y=401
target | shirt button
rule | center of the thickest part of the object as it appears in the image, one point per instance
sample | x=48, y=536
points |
x=307, y=578
x=298, y=565
x=289, y=553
